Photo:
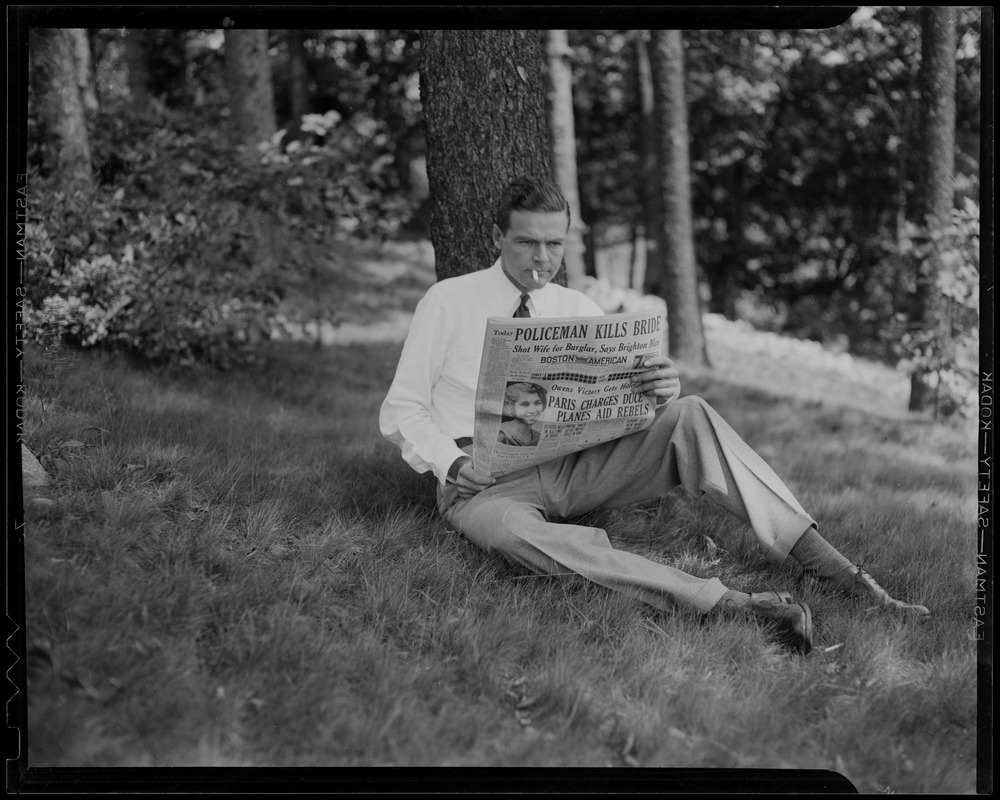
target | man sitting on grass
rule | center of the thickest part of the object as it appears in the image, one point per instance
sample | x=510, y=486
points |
x=429, y=413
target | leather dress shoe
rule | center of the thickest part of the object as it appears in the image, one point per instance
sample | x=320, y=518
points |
x=855, y=581
x=792, y=621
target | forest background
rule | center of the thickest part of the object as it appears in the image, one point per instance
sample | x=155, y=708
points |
x=806, y=161
x=185, y=231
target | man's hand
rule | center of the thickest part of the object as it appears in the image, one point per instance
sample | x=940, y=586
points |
x=660, y=381
x=471, y=482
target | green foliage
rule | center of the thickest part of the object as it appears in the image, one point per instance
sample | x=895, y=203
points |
x=149, y=298
x=803, y=150
x=607, y=128
x=946, y=353
x=336, y=185
x=804, y=155
x=183, y=253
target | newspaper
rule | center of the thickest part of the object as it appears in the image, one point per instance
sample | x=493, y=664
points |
x=553, y=386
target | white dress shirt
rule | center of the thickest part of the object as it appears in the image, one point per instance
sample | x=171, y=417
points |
x=432, y=399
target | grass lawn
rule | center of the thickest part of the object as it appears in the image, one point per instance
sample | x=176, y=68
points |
x=236, y=570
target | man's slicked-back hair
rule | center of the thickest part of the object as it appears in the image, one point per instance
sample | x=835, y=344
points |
x=529, y=194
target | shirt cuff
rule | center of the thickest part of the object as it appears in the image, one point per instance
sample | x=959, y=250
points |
x=455, y=467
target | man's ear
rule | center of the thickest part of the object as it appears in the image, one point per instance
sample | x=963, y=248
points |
x=497, y=235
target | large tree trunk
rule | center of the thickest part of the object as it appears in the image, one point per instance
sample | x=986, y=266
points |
x=251, y=97
x=649, y=188
x=936, y=192
x=484, y=117
x=676, y=232
x=61, y=120
x=560, y=110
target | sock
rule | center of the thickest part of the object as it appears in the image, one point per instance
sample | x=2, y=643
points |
x=733, y=601
x=817, y=556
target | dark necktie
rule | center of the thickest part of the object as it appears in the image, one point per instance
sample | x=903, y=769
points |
x=522, y=310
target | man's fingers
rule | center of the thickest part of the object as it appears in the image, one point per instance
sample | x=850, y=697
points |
x=657, y=378
x=656, y=368
x=652, y=362
x=661, y=382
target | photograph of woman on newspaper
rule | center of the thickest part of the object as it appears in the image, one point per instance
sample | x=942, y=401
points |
x=523, y=406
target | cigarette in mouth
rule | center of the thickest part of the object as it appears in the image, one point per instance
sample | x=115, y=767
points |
x=534, y=274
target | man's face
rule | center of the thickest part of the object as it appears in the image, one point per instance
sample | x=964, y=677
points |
x=529, y=407
x=534, y=241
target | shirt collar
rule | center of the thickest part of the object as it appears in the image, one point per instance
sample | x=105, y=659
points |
x=506, y=289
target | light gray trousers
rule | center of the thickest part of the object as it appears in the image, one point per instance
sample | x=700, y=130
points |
x=688, y=445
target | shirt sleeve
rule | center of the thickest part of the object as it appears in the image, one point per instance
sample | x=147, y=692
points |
x=405, y=417
x=579, y=305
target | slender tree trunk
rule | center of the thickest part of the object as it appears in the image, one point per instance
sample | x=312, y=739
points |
x=560, y=110
x=251, y=96
x=98, y=46
x=484, y=118
x=588, y=202
x=649, y=190
x=722, y=275
x=637, y=244
x=157, y=67
x=84, y=69
x=137, y=58
x=61, y=119
x=936, y=191
x=676, y=233
x=298, y=81
x=169, y=67
x=588, y=208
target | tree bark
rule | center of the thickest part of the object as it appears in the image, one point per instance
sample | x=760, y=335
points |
x=251, y=96
x=298, y=81
x=137, y=58
x=588, y=200
x=484, y=118
x=563, y=134
x=675, y=234
x=936, y=191
x=649, y=192
x=168, y=66
x=61, y=120
x=157, y=64
x=722, y=274
x=84, y=69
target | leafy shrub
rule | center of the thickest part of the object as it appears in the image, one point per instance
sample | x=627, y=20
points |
x=948, y=356
x=183, y=252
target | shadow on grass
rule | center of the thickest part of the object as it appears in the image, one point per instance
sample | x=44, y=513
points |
x=242, y=571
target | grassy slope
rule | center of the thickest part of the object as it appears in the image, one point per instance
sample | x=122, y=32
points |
x=239, y=571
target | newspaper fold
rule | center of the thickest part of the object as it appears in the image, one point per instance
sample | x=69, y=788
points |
x=553, y=386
